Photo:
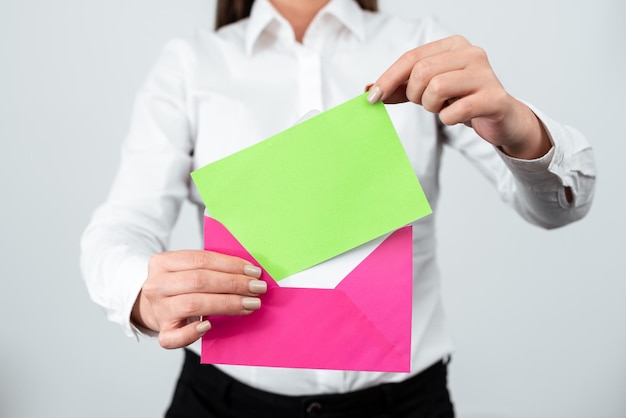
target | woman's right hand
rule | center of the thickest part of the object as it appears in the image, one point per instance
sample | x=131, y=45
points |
x=191, y=284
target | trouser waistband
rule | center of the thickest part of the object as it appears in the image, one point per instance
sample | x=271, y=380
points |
x=220, y=392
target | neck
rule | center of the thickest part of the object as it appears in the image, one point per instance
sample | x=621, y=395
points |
x=299, y=13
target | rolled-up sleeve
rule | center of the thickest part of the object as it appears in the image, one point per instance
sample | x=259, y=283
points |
x=551, y=191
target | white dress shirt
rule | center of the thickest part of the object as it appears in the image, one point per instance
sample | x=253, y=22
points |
x=211, y=94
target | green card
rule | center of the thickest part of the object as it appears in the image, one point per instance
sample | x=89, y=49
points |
x=315, y=190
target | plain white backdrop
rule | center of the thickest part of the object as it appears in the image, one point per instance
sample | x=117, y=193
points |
x=539, y=317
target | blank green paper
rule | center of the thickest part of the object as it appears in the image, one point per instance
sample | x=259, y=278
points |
x=315, y=190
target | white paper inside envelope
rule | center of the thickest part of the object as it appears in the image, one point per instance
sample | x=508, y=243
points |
x=328, y=275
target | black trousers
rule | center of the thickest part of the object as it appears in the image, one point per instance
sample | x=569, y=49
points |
x=205, y=391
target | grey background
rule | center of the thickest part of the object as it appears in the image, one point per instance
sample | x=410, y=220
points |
x=537, y=316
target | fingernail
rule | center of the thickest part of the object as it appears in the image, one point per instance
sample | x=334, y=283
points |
x=257, y=286
x=251, y=304
x=375, y=94
x=252, y=271
x=203, y=327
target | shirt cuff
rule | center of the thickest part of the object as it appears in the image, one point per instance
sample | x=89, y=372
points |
x=135, y=269
x=537, y=165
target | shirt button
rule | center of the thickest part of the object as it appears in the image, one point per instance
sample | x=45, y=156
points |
x=314, y=409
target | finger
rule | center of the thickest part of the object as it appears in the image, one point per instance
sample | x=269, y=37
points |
x=183, y=336
x=398, y=95
x=430, y=68
x=200, y=259
x=446, y=88
x=202, y=304
x=209, y=281
x=469, y=108
x=400, y=71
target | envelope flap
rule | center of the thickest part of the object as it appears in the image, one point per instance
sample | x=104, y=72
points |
x=381, y=286
x=219, y=239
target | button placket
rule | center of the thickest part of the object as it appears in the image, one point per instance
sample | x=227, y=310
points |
x=310, y=80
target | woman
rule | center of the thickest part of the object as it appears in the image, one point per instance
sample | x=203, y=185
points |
x=270, y=62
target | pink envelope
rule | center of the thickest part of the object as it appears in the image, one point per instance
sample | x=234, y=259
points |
x=364, y=323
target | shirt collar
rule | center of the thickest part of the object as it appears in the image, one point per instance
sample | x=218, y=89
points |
x=347, y=12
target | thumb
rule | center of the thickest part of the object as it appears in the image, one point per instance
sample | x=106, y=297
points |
x=181, y=337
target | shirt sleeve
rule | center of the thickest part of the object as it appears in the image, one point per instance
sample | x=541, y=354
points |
x=152, y=181
x=549, y=192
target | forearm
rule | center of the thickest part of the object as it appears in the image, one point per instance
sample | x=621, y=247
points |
x=556, y=188
x=114, y=267
x=134, y=223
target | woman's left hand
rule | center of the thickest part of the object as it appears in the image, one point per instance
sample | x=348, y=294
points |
x=454, y=79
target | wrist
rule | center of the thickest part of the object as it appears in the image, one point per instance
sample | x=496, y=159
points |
x=140, y=315
x=533, y=142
